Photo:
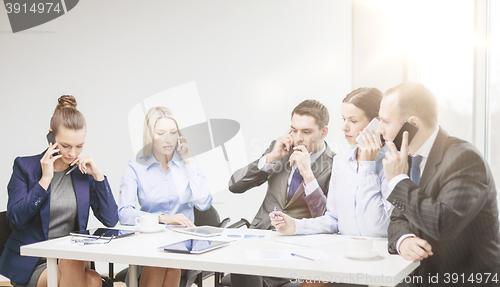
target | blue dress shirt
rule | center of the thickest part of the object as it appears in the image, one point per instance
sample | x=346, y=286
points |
x=178, y=190
x=357, y=199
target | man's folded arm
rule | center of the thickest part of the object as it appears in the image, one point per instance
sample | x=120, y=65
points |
x=398, y=227
x=315, y=198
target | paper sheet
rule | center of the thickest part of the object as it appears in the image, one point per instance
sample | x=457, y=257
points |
x=241, y=233
x=314, y=254
x=311, y=240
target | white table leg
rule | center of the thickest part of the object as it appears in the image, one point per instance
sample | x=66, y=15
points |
x=52, y=272
x=132, y=275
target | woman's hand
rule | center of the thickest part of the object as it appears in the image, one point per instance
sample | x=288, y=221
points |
x=283, y=223
x=47, y=163
x=183, y=150
x=176, y=219
x=372, y=144
x=87, y=165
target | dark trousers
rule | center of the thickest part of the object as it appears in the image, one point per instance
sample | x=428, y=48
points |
x=241, y=280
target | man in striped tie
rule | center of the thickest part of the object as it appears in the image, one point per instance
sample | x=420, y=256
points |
x=446, y=213
x=297, y=168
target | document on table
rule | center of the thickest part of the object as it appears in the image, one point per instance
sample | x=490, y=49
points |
x=311, y=240
x=240, y=233
x=314, y=254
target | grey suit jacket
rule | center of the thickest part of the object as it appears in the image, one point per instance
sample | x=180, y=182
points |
x=455, y=209
x=300, y=205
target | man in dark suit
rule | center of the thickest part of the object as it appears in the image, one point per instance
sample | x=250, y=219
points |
x=297, y=168
x=446, y=212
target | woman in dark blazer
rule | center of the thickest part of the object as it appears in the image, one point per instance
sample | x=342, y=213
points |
x=47, y=200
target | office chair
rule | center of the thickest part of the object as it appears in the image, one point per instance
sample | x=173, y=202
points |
x=5, y=230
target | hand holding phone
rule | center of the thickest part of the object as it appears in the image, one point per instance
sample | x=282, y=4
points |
x=407, y=127
x=283, y=146
x=290, y=147
x=372, y=126
x=47, y=162
x=52, y=140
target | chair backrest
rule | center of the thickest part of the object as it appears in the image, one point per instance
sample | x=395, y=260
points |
x=208, y=217
x=5, y=230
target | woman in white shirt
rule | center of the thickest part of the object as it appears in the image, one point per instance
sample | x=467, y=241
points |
x=166, y=181
x=357, y=197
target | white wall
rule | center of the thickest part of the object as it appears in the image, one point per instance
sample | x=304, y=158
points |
x=392, y=44
x=252, y=62
x=377, y=62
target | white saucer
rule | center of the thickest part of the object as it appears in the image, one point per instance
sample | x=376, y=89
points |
x=372, y=254
x=158, y=227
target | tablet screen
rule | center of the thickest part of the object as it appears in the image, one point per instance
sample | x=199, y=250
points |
x=205, y=231
x=194, y=246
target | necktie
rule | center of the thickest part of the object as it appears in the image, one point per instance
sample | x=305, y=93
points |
x=294, y=184
x=415, y=169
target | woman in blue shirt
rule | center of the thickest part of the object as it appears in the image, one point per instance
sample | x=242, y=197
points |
x=357, y=197
x=167, y=181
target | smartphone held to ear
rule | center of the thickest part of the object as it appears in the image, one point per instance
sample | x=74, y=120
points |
x=372, y=126
x=407, y=127
x=52, y=140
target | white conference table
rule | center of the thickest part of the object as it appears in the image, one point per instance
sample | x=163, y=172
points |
x=142, y=249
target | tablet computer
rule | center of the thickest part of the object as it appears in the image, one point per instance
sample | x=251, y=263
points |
x=194, y=246
x=204, y=231
x=103, y=233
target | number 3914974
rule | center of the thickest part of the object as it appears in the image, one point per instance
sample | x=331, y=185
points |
x=33, y=8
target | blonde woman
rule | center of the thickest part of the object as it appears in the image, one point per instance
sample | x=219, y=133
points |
x=167, y=181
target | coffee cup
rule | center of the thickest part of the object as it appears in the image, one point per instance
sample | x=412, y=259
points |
x=360, y=245
x=148, y=221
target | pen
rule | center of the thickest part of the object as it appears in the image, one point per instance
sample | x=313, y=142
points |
x=275, y=209
x=300, y=256
x=72, y=169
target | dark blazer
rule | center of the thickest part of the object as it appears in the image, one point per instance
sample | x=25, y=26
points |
x=299, y=206
x=455, y=209
x=28, y=212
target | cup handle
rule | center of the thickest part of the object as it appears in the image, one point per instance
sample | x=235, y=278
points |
x=137, y=220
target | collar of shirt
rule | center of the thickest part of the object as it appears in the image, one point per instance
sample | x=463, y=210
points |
x=315, y=156
x=425, y=149
x=150, y=161
x=354, y=153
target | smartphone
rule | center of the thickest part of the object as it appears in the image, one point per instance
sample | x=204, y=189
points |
x=407, y=127
x=373, y=125
x=52, y=140
x=292, y=146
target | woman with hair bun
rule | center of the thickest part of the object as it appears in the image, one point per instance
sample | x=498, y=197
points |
x=48, y=199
